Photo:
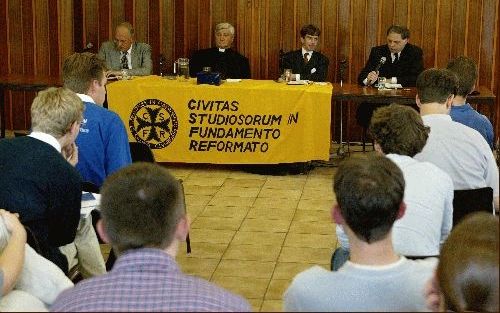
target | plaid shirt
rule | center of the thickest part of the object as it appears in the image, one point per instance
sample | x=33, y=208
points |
x=147, y=280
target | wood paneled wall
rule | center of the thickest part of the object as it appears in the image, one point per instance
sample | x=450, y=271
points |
x=38, y=34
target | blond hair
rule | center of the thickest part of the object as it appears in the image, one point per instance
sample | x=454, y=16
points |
x=222, y=26
x=54, y=110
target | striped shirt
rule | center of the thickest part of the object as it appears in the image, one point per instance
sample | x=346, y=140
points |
x=147, y=280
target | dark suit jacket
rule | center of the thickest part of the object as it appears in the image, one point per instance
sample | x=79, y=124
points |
x=409, y=66
x=229, y=63
x=315, y=70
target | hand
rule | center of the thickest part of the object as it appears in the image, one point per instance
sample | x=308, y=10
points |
x=14, y=226
x=372, y=77
x=70, y=153
x=432, y=294
x=114, y=74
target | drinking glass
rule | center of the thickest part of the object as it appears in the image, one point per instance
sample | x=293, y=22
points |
x=287, y=74
x=381, y=82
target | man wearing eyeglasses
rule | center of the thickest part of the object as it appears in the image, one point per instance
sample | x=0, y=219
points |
x=124, y=55
x=307, y=63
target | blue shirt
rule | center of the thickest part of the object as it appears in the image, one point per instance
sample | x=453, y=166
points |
x=103, y=146
x=466, y=115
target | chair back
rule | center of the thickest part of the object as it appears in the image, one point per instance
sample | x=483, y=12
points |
x=471, y=200
x=141, y=152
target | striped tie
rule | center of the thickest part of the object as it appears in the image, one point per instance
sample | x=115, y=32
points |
x=124, y=60
x=306, y=59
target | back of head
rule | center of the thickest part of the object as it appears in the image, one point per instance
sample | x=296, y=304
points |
x=468, y=265
x=369, y=192
x=80, y=69
x=436, y=85
x=141, y=207
x=397, y=29
x=224, y=26
x=311, y=30
x=54, y=110
x=466, y=70
x=398, y=129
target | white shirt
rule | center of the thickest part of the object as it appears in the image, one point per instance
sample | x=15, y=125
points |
x=428, y=217
x=393, y=56
x=85, y=98
x=461, y=152
x=51, y=140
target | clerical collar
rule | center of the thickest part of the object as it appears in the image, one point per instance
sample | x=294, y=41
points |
x=222, y=50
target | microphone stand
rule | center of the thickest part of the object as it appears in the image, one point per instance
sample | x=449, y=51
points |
x=341, y=151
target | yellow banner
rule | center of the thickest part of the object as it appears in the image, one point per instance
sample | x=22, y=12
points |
x=247, y=122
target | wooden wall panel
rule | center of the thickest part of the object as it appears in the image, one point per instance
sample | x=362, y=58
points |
x=40, y=33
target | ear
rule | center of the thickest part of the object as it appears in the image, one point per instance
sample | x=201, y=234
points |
x=101, y=231
x=401, y=211
x=378, y=148
x=417, y=100
x=182, y=228
x=449, y=102
x=337, y=217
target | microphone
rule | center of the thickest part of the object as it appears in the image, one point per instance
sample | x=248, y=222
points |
x=342, y=68
x=380, y=63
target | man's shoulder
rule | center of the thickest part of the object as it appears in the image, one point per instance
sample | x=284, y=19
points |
x=108, y=46
x=293, y=53
x=142, y=46
x=413, y=48
x=202, y=52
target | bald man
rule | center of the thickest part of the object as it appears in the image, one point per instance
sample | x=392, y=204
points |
x=124, y=54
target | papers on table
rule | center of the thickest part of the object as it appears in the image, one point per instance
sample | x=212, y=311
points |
x=392, y=86
x=90, y=201
x=298, y=82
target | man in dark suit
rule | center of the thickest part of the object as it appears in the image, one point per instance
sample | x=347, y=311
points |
x=124, y=54
x=306, y=63
x=403, y=63
x=222, y=59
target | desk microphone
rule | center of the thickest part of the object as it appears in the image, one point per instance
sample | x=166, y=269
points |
x=380, y=63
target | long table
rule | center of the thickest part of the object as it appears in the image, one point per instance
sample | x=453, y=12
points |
x=246, y=122
x=356, y=93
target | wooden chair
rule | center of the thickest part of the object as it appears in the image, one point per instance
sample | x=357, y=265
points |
x=471, y=200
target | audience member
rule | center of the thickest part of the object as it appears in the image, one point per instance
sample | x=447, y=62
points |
x=221, y=58
x=125, y=54
x=103, y=141
x=399, y=134
x=455, y=148
x=37, y=182
x=307, y=63
x=403, y=63
x=466, y=70
x=369, y=195
x=32, y=281
x=144, y=219
x=12, y=255
x=467, y=274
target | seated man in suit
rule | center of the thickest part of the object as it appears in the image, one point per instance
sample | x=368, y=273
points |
x=307, y=63
x=126, y=54
x=403, y=63
x=103, y=141
x=466, y=70
x=222, y=59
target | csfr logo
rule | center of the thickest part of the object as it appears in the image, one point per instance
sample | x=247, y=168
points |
x=153, y=122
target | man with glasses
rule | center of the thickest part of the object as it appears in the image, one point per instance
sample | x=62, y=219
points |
x=124, y=55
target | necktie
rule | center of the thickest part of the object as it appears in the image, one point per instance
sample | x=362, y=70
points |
x=124, y=60
x=306, y=59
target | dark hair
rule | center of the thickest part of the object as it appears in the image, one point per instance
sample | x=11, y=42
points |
x=141, y=206
x=309, y=30
x=436, y=85
x=466, y=70
x=80, y=69
x=403, y=31
x=468, y=265
x=369, y=192
x=398, y=129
